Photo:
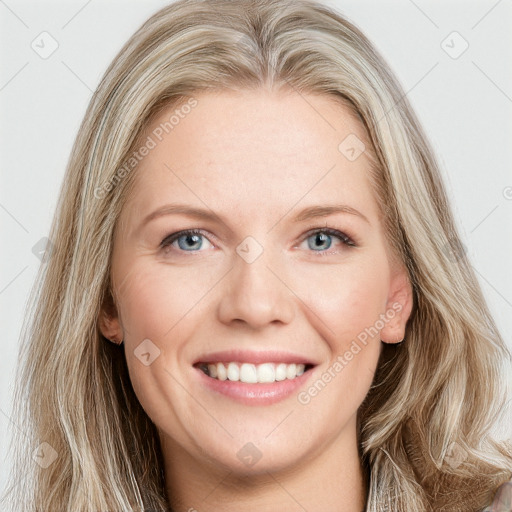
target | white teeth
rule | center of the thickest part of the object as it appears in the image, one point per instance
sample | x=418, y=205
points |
x=291, y=371
x=212, y=370
x=221, y=372
x=266, y=372
x=281, y=371
x=248, y=373
x=252, y=374
x=233, y=371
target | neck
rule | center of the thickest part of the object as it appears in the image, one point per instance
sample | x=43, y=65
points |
x=331, y=480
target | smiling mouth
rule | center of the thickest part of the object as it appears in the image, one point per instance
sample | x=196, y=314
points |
x=253, y=373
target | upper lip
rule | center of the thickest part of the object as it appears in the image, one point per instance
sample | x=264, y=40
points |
x=254, y=357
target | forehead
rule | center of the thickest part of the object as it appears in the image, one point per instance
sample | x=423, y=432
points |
x=252, y=148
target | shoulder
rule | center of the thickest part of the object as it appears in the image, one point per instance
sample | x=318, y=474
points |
x=502, y=499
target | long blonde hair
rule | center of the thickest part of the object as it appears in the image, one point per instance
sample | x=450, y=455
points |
x=424, y=426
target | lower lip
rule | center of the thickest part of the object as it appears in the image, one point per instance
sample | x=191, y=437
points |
x=255, y=394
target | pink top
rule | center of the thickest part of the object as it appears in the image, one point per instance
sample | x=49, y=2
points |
x=502, y=499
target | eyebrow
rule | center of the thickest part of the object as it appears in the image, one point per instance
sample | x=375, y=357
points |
x=323, y=211
x=310, y=212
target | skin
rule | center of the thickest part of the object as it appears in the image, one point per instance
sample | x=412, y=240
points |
x=255, y=158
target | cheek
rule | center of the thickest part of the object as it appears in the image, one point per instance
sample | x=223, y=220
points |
x=159, y=304
x=156, y=298
x=346, y=299
x=347, y=303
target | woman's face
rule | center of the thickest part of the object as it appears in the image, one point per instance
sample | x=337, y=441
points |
x=289, y=266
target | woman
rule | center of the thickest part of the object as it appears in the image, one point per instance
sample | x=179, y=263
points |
x=195, y=345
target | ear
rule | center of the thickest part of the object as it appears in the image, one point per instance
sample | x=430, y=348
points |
x=108, y=321
x=398, y=307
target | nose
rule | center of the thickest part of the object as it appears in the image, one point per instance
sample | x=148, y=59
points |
x=255, y=294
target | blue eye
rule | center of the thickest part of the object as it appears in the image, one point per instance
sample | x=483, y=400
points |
x=189, y=240
x=322, y=240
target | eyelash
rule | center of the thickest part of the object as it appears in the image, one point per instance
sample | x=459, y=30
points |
x=346, y=240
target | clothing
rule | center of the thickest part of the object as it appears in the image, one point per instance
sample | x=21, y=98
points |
x=502, y=499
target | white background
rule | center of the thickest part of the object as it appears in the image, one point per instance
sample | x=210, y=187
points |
x=465, y=105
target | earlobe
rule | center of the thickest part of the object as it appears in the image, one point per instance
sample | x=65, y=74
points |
x=109, y=324
x=398, y=309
